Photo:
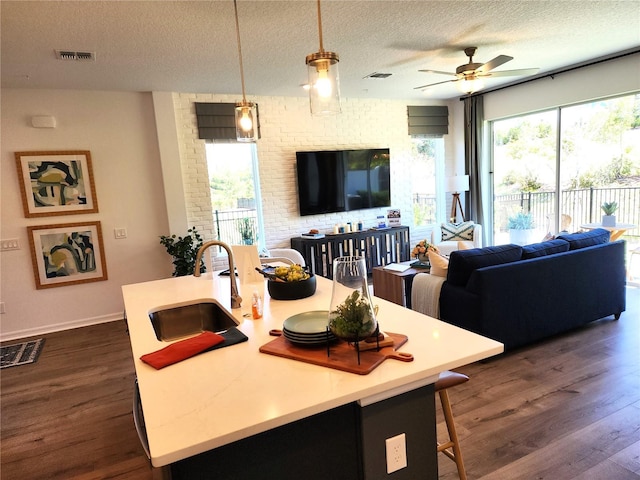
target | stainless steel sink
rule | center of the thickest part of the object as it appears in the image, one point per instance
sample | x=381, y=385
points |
x=183, y=321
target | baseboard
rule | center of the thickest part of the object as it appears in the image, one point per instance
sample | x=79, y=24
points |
x=36, y=331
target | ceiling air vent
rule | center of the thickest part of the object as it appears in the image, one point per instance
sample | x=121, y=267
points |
x=378, y=75
x=71, y=55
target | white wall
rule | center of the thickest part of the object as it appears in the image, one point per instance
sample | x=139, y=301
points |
x=122, y=131
x=128, y=159
x=614, y=77
x=287, y=126
x=119, y=131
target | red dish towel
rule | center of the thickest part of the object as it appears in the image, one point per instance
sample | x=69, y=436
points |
x=181, y=350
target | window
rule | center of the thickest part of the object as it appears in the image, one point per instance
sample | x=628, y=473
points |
x=568, y=160
x=235, y=193
x=428, y=155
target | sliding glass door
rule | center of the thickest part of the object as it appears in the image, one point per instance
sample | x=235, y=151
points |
x=560, y=166
x=525, y=173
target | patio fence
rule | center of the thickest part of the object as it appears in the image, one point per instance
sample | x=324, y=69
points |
x=236, y=227
x=577, y=206
x=580, y=206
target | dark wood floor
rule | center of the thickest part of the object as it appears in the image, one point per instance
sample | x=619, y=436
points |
x=566, y=408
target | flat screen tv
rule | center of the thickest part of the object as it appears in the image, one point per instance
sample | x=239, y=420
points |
x=332, y=181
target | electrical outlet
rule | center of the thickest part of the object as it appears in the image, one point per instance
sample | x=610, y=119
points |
x=396, y=453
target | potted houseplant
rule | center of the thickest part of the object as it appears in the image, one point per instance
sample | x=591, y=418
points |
x=609, y=219
x=352, y=315
x=184, y=251
x=246, y=228
x=521, y=228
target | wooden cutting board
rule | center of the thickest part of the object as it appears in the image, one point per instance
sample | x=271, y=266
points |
x=342, y=355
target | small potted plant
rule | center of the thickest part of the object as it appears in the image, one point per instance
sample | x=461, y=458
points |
x=184, y=251
x=246, y=228
x=609, y=219
x=521, y=227
x=354, y=319
x=352, y=315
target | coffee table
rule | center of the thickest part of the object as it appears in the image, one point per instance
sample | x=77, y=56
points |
x=395, y=286
x=616, y=231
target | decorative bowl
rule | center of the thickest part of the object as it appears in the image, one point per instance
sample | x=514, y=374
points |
x=292, y=290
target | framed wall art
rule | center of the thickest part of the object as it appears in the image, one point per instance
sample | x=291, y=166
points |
x=56, y=183
x=67, y=254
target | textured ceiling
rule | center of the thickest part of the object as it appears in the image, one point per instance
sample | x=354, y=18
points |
x=190, y=46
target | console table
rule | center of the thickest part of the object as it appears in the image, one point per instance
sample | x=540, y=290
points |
x=378, y=246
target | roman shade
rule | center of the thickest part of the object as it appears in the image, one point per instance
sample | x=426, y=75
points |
x=428, y=120
x=216, y=121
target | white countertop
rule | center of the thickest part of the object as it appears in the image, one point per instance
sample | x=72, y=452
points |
x=235, y=392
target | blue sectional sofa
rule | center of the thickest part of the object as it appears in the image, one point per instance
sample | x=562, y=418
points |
x=519, y=295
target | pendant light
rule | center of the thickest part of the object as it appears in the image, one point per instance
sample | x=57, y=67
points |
x=246, y=117
x=322, y=67
x=471, y=84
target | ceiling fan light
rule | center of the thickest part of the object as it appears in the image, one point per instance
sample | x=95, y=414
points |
x=246, y=114
x=470, y=85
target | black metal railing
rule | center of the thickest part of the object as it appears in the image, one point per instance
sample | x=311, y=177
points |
x=238, y=226
x=577, y=207
x=424, y=208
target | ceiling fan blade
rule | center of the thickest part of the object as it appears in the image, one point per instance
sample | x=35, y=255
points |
x=432, y=84
x=511, y=73
x=439, y=72
x=496, y=62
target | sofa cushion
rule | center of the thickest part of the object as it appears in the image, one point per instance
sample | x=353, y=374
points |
x=544, y=248
x=586, y=239
x=463, y=262
x=460, y=231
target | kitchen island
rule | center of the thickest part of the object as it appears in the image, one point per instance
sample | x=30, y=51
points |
x=234, y=407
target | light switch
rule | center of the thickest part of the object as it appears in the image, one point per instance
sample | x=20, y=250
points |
x=120, y=233
x=9, y=244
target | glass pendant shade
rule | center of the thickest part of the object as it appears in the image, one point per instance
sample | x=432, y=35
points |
x=471, y=84
x=324, y=83
x=351, y=314
x=246, y=128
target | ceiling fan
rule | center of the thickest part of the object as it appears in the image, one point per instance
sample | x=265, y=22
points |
x=470, y=75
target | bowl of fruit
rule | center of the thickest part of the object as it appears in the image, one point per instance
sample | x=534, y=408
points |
x=291, y=282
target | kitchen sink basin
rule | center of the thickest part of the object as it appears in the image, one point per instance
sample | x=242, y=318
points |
x=183, y=321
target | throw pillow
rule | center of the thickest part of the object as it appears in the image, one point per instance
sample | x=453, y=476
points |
x=548, y=236
x=460, y=231
x=464, y=245
x=439, y=264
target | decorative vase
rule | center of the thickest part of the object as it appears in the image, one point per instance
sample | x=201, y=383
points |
x=423, y=258
x=351, y=314
x=521, y=237
x=608, y=220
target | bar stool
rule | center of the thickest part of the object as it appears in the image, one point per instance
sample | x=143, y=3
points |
x=451, y=448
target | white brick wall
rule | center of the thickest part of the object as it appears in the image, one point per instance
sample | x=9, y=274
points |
x=286, y=127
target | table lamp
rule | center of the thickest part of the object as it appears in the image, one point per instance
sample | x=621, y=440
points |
x=457, y=184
